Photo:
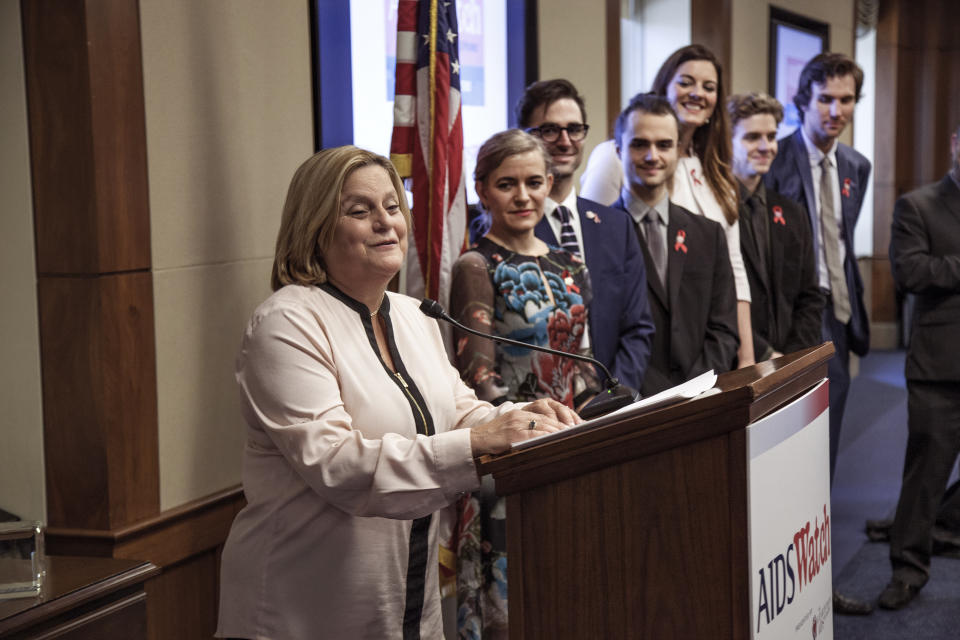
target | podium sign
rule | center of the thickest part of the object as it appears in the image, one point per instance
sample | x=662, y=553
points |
x=789, y=520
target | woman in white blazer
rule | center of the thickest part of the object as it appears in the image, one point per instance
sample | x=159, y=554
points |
x=692, y=80
x=358, y=428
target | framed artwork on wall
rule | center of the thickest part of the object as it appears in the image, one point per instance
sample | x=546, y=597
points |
x=794, y=40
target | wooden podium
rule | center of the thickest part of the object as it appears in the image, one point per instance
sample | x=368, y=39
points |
x=639, y=529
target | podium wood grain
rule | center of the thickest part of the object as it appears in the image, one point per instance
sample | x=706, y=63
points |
x=639, y=529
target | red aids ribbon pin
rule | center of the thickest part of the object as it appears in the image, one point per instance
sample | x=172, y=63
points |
x=681, y=237
x=693, y=175
x=846, y=188
x=593, y=216
x=778, y=216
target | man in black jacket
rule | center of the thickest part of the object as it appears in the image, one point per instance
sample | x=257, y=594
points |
x=775, y=237
x=925, y=257
x=689, y=277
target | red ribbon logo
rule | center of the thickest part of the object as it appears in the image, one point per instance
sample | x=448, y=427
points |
x=846, y=188
x=778, y=216
x=679, y=244
x=693, y=176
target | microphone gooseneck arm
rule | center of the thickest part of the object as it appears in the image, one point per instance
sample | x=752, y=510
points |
x=434, y=309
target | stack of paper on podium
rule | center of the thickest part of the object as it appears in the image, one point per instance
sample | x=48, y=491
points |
x=701, y=385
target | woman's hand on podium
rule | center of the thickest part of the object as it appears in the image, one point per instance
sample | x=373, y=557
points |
x=535, y=419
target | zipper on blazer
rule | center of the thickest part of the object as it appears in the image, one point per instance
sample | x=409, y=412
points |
x=413, y=401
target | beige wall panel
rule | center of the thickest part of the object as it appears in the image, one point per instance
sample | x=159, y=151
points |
x=228, y=112
x=21, y=425
x=572, y=45
x=200, y=316
x=750, y=46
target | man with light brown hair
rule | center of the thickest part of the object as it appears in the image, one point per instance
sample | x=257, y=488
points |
x=775, y=237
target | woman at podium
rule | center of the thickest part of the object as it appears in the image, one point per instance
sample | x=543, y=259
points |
x=512, y=284
x=357, y=427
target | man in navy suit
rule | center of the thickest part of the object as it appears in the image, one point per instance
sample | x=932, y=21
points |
x=829, y=179
x=775, y=238
x=692, y=297
x=621, y=329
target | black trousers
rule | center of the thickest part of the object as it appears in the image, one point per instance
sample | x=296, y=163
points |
x=933, y=443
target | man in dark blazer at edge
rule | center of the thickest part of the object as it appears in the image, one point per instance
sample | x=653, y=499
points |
x=621, y=328
x=692, y=296
x=925, y=258
x=775, y=236
x=827, y=93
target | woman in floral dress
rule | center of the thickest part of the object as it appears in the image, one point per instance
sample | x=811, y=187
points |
x=514, y=285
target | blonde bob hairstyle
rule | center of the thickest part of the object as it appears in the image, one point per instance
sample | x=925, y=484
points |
x=503, y=145
x=312, y=211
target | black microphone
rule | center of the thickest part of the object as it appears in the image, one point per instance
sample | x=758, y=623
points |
x=612, y=398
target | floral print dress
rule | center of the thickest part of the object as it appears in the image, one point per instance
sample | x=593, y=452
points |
x=540, y=300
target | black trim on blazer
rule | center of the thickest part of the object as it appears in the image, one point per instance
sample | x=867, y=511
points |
x=419, y=547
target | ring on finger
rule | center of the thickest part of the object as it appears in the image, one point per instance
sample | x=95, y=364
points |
x=532, y=425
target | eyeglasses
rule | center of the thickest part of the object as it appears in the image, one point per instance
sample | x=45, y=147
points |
x=551, y=132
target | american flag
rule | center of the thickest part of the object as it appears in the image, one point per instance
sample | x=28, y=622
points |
x=427, y=143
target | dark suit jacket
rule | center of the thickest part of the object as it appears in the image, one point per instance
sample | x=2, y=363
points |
x=787, y=304
x=925, y=257
x=621, y=328
x=791, y=177
x=696, y=316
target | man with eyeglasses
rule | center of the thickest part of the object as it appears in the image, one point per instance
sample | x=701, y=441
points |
x=620, y=325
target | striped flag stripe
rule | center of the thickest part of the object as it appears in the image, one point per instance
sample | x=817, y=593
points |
x=427, y=143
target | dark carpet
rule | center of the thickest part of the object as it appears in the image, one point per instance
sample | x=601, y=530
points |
x=933, y=614
x=866, y=486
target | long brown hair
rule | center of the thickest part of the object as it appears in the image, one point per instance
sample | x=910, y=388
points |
x=711, y=141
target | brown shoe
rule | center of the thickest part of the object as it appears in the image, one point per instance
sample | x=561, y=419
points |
x=847, y=606
x=898, y=594
x=879, y=530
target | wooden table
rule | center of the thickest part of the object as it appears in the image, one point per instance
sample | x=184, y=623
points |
x=82, y=598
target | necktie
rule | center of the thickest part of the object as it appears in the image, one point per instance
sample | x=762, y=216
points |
x=758, y=229
x=831, y=245
x=568, y=237
x=654, y=234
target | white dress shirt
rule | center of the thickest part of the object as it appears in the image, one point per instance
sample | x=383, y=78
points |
x=603, y=175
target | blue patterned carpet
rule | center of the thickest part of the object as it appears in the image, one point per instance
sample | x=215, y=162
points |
x=867, y=484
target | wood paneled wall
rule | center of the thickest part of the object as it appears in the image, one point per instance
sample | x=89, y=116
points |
x=917, y=107
x=711, y=24
x=85, y=99
x=99, y=399
x=88, y=158
x=87, y=136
